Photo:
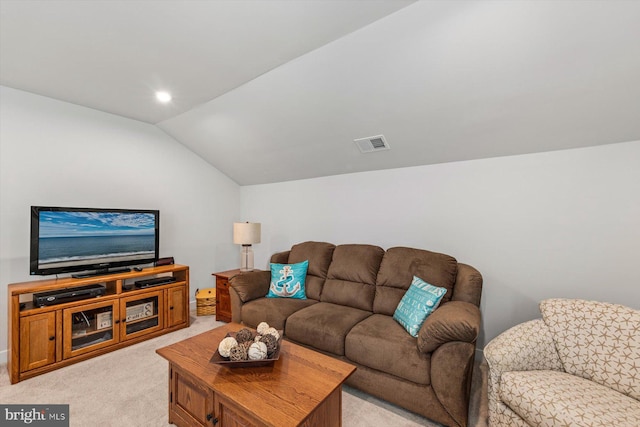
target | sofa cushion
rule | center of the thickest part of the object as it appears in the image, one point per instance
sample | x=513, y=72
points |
x=417, y=303
x=352, y=276
x=596, y=340
x=324, y=326
x=551, y=398
x=274, y=311
x=378, y=342
x=287, y=280
x=397, y=269
x=319, y=255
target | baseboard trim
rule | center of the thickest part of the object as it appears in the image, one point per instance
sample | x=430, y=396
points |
x=3, y=357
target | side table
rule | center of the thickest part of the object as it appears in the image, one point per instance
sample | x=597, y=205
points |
x=223, y=300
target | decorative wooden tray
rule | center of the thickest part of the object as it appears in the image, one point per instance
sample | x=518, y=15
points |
x=216, y=358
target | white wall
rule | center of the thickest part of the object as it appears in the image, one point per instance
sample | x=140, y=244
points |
x=54, y=153
x=556, y=224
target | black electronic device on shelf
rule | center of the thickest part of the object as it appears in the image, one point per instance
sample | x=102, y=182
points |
x=156, y=281
x=60, y=296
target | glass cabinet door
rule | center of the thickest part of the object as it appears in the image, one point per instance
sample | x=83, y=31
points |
x=142, y=314
x=90, y=327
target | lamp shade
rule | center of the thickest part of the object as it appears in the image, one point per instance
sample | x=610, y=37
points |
x=246, y=233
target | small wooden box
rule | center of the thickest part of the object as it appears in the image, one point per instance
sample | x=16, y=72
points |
x=206, y=302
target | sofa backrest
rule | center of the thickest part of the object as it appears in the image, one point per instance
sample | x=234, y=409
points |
x=351, y=279
x=319, y=255
x=597, y=341
x=397, y=269
x=468, y=287
x=367, y=277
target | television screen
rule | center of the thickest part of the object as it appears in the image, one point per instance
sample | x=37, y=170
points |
x=76, y=239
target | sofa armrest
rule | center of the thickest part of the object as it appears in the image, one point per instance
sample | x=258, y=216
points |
x=451, y=375
x=251, y=285
x=453, y=321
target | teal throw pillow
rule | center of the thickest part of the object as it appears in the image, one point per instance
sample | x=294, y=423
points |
x=287, y=280
x=420, y=300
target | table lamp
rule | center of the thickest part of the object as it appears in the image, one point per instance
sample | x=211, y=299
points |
x=246, y=234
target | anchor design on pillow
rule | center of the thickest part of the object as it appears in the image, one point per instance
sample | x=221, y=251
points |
x=285, y=287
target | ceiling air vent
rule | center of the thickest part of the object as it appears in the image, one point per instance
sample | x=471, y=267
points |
x=372, y=143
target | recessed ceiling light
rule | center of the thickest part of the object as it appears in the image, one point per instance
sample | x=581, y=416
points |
x=163, y=96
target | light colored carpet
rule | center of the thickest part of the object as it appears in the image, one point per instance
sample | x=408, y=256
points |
x=128, y=387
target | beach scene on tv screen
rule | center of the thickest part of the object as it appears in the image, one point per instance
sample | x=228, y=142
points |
x=76, y=238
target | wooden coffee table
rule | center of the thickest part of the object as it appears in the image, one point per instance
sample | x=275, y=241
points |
x=302, y=388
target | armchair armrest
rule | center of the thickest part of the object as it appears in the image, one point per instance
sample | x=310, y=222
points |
x=251, y=285
x=453, y=321
x=525, y=347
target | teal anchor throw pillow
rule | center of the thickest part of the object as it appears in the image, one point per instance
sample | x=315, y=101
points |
x=287, y=280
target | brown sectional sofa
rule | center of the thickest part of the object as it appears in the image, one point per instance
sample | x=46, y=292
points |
x=352, y=292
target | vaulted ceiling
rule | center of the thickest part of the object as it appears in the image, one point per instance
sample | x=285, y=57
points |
x=277, y=90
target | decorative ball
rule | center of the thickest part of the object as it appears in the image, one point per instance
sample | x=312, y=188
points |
x=262, y=327
x=226, y=345
x=257, y=351
x=272, y=331
x=271, y=342
x=238, y=352
x=257, y=338
x=244, y=335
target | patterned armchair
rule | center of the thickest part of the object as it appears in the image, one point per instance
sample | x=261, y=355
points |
x=577, y=366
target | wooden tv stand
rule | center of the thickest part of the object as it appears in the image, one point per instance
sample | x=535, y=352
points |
x=42, y=339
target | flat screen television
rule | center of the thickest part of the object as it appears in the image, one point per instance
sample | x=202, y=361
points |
x=65, y=240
